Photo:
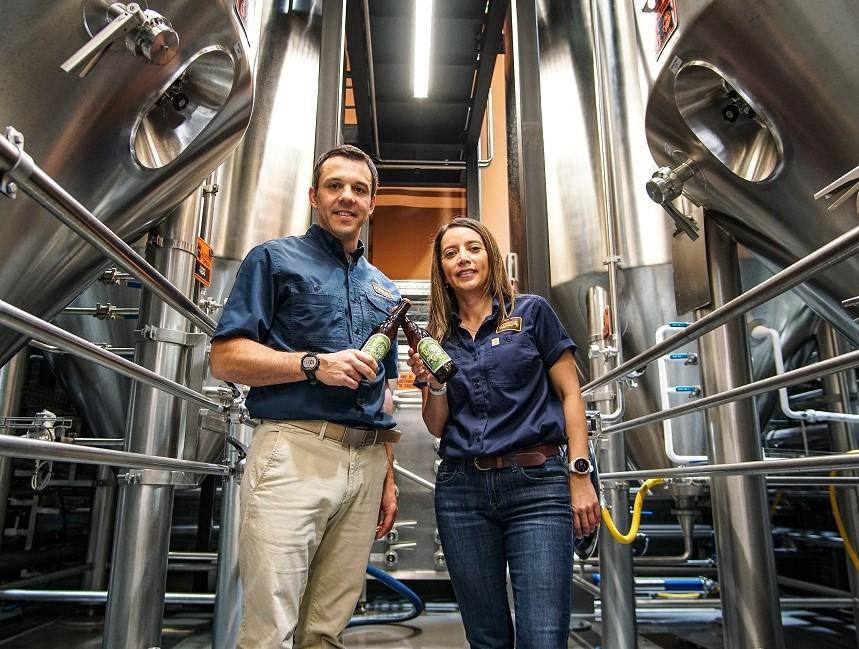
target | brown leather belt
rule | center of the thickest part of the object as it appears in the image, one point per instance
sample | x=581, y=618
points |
x=531, y=456
x=346, y=435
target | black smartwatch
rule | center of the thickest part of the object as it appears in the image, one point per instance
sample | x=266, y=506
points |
x=581, y=466
x=310, y=363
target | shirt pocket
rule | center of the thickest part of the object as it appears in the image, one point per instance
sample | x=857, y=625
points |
x=378, y=308
x=313, y=315
x=514, y=361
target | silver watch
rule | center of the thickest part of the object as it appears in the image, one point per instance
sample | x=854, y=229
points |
x=580, y=466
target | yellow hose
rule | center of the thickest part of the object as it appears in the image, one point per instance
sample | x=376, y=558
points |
x=839, y=523
x=628, y=538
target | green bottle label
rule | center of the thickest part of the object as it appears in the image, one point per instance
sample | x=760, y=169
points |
x=431, y=353
x=377, y=346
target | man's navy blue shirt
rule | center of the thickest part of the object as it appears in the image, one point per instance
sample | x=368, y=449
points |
x=299, y=294
x=502, y=399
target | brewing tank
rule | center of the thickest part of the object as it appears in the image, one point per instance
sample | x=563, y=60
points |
x=129, y=140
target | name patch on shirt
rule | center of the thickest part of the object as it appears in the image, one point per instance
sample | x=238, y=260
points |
x=510, y=324
x=382, y=291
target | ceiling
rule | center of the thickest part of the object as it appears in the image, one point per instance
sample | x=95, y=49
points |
x=466, y=36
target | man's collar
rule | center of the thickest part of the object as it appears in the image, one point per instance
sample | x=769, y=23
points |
x=331, y=243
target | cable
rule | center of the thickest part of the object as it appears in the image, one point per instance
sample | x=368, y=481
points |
x=401, y=589
x=629, y=537
x=839, y=522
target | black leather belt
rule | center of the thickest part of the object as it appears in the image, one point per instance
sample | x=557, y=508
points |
x=531, y=456
x=347, y=435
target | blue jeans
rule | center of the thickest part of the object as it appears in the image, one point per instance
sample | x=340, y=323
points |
x=518, y=517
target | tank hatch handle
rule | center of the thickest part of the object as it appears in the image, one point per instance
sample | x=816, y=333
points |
x=850, y=180
x=146, y=33
x=665, y=185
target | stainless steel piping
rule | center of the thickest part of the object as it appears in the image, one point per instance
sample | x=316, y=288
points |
x=829, y=366
x=800, y=464
x=50, y=195
x=96, y=596
x=414, y=477
x=24, y=447
x=371, y=75
x=34, y=327
x=804, y=481
x=832, y=253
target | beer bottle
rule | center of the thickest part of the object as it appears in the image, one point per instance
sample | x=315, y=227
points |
x=440, y=365
x=385, y=333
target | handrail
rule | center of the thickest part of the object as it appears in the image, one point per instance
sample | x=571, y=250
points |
x=49, y=194
x=829, y=366
x=757, y=467
x=30, y=325
x=25, y=447
x=828, y=255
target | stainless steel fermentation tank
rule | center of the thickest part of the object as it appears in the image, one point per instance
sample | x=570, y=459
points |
x=762, y=97
x=129, y=140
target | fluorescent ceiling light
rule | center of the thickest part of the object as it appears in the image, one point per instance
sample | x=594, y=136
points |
x=423, y=37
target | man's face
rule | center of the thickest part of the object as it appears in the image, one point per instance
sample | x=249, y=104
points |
x=343, y=199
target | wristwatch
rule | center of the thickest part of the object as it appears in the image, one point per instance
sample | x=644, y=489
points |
x=581, y=466
x=310, y=363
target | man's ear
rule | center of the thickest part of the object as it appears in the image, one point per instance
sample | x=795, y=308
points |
x=311, y=194
x=372, y=205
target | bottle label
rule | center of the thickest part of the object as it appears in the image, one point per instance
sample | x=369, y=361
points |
x=377, y=346
x=432, y=354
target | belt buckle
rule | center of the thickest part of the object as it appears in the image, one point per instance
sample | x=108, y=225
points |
x=357, y=437
x=477, y=465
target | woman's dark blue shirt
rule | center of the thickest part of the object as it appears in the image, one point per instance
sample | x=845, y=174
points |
x=502, y=399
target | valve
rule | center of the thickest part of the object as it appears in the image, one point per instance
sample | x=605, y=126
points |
x=665, y=185
x=146, y=33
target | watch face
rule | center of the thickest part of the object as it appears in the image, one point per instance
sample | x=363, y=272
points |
x=309, y=362
x=581, y=465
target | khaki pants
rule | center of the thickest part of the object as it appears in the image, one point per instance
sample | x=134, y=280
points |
x=309, y=513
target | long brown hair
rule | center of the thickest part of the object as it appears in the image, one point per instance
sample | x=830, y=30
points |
x=442, y=297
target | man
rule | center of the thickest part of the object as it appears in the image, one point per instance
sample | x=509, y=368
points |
x=318, y=481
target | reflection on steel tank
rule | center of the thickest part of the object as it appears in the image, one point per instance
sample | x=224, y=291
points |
x=129, y=140
x=580, y=195
x=763, y=96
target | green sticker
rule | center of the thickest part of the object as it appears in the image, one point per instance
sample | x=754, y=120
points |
x=431, y=353
x=377, y=346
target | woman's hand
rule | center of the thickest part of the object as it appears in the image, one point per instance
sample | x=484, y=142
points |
x=420, y=370
x=586, y=505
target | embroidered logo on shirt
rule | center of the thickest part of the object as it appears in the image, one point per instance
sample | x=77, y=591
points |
x=382, y=291
x=510, y=324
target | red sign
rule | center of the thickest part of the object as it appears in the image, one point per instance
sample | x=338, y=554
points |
x=203, y=267
x=666, y=23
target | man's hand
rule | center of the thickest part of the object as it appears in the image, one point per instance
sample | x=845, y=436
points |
x=346, y=368
x=387, y=508
x=586, y=505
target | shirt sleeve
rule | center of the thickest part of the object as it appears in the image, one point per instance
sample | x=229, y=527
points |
x=253, y=301
x=549, y=334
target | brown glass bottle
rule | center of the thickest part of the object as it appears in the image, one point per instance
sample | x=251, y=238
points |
x=436, y=360
x=385, y=333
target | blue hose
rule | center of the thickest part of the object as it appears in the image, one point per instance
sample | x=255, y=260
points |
x=390, y=618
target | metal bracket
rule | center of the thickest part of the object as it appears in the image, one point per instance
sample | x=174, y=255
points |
x=157, y=477
x=175, y=336
x=157, y=241
x=23, y=167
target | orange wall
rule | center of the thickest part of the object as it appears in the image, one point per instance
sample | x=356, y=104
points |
x=403, y=226
x=494, y=211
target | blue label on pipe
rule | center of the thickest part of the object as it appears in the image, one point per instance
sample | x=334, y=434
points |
x=678, y=324
x=679, y=355
x=686, y=388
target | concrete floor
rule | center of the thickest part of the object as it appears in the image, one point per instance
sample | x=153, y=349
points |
x=443, y=630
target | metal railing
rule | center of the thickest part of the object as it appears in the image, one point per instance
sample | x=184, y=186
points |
x=49, y=194
x=45, y=332
x=828, y=255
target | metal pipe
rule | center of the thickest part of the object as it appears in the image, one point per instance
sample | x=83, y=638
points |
x=371, y=75
x=102, y=518
x=100, y=441
x=50, y=195
x=828, y=255
x=13, y=376
x=97, y=596
x=37, y=328
x=821, y=481
x=797, y=464
x=119, y=311
x=47, y=577
x=429, y=165
x=24, y=447
x=822, y=368
x=193, y=556
x=414, y=477
x=53, y=349
x=812, y=588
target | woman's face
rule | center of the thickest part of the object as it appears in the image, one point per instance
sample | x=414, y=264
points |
x=464, y=260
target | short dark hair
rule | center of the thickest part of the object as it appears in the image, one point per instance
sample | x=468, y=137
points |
x=352, y=153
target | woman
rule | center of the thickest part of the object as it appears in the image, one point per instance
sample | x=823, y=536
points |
x=505, y=495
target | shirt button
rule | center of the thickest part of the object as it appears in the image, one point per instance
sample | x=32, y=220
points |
x=317, y=288
x=359, y=401
x=356, y=332
x=483, y=415
x=509, y=338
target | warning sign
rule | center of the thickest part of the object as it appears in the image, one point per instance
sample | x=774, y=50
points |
x=666, y=23
x=203, y=266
